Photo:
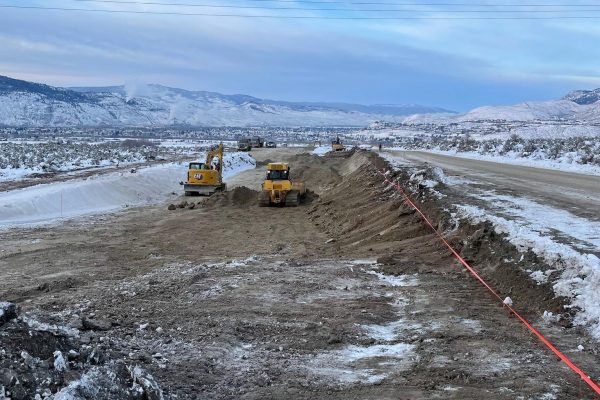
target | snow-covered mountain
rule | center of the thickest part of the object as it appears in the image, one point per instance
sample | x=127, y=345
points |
x=25, y=103
x=539, y=110
x=581, y=106
x=583, y=96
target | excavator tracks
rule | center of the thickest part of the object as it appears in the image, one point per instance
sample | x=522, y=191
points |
x=292, y=199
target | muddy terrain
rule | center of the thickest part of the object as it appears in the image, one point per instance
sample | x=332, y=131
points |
x=348, y=296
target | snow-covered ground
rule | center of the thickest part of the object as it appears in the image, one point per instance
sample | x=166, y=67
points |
x=321, y=150
x=581, y=155
x=20, y=159
x=103, y=193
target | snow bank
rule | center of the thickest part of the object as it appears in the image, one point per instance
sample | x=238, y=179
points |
x=103, y=193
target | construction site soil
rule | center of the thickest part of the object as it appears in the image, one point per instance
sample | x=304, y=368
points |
x=349, y=296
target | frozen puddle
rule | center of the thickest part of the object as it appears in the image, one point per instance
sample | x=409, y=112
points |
x=369, y=364
x=392, y=330
x=99, y=194
x=400, y=280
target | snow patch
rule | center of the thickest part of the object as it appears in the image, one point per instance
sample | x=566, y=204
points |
x=321, y=150
x=48, y=203
x=400, y=280
x=370, y=364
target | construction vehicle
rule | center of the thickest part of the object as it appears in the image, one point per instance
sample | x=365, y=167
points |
x=279, y=189
x=257, y=141
x=244, y=145
x=336, y=144
x=206, y=178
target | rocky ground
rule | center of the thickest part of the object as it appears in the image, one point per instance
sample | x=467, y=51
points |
x=348, y=296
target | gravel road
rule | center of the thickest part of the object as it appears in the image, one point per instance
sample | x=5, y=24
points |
x=577, y=193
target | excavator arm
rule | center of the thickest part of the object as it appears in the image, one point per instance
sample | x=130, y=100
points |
x=216, y=152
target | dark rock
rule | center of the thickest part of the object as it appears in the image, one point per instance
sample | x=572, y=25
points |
x=333, y=339
x=8, y=311
x=96, y=324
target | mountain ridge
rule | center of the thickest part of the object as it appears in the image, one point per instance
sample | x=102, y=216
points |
x=24, y=103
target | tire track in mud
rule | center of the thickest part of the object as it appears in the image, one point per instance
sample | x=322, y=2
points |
x=349, y=296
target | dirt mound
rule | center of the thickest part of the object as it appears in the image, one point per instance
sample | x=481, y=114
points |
x=317, y=179
x=363, y=217
x=264, y=162
x=241, y=196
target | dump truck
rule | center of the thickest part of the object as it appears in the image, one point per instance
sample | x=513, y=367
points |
x=206, y=178
x=336, y=144
x=279, y=189
x=244, y=145
x=257, y=141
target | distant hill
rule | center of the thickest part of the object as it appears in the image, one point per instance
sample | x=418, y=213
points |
x=25, y=103
x=581, y=106
x=583, y=96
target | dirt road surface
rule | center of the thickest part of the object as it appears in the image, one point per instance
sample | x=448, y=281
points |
x=578, y=193
x=348, y=296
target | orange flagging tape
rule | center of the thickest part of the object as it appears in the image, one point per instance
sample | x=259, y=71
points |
x=474, y=273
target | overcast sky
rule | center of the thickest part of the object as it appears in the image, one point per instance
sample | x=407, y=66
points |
x=456, y=64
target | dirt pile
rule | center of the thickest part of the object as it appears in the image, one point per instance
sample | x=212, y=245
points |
x=241, y=196
x=363, y=216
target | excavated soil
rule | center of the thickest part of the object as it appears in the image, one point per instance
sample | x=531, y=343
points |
x=240, y=196
x=348, y=296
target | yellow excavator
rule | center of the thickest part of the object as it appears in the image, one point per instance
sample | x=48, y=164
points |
x=336, y=144
x=279, y=189
x=206, y=178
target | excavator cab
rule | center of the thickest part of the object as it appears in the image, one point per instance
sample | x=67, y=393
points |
x=336, y=144
x=206, y=178
x=278, y=174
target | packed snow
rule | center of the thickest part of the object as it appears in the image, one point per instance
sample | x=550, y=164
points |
x=102, y=193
